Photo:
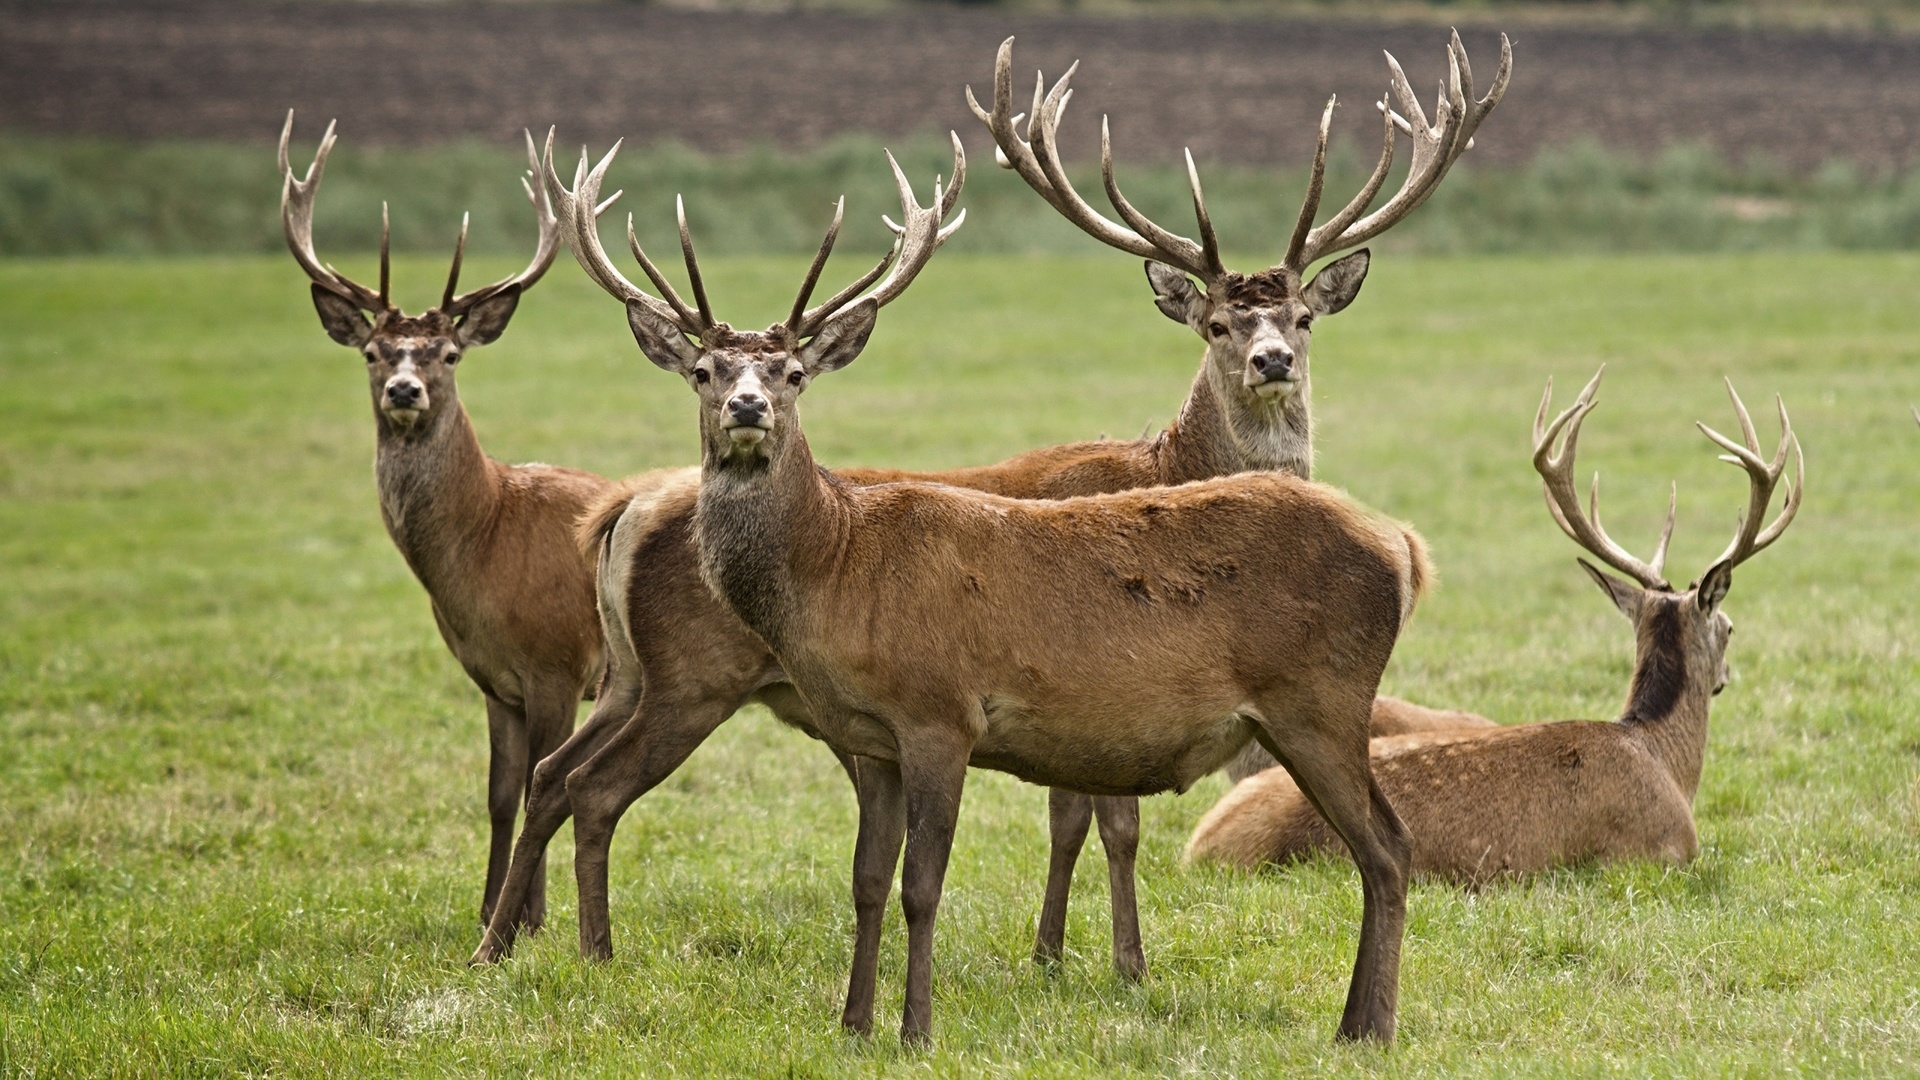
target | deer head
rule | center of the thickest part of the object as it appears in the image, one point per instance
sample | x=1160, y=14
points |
x=1257, y=326
x=410, y=358
x=1674, y=626
x=748, y=381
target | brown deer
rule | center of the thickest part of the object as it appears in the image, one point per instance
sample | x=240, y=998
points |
x=1119, y=644
x=492, y=543
x=1528, y=797
x=1234, y=418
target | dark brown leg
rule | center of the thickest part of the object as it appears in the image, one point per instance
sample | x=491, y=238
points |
x=934, y=776
x=1119, y=818
x=550, y=714
x=643, y=753
x=883, y=823
x=1327, y=756
x=1068, y=815
x=547, y=809
x=506, y=775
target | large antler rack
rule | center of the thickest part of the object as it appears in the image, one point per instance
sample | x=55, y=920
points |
x=1436, y=146
x=544, y=250
x=916, y=237
x=1763, y=476
x=1563, y=499
x=296, y=217
x=1457, y=115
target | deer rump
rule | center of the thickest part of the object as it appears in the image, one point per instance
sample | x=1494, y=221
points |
x=1111, y=644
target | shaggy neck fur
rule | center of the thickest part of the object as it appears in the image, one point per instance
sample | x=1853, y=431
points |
x=762, y=521
x=1671, y=694
x=437, y=490
x=1218, y=434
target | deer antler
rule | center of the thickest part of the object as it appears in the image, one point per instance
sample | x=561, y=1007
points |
x=1457, y=115
x=579, y=211
x=918, y=235
x=1036, y=158
x=1563, y=500
x=1763, y=476
x=543, y=254
x=296, y=217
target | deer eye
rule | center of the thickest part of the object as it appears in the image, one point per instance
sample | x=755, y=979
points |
x=1305, y=323
x=451, y=358
x=1217, y=329
x=796, y=377
x=701, y=376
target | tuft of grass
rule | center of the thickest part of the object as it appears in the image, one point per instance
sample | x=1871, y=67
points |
x=85, y=196
x=241, y=799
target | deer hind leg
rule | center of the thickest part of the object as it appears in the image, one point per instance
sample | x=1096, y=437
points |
x=876, y=852
x=506, y=777
x=1119, y=817
x=663, y=732
x=1069, y=814
x=550, y=712
x=548, y=808
x=933, y=769
x=1324, y=747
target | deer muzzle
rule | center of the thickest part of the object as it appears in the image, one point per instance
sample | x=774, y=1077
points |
x=404, y=398
x=747, y=418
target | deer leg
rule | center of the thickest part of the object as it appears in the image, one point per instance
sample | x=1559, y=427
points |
x=1119, y=817
x=550, y=716
x=934, y=773
x=1069, y=813
x=506, y=773
x=659, y=738
x=547, y=809
x=1326, y=752
x=876, y=852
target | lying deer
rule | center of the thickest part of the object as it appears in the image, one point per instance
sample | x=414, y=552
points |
x=492, y=543
x=1248, y=409
x=1528, y=797
x=1119, y=644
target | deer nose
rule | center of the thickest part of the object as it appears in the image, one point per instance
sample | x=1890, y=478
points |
x=747, y=408
x=403, y=395
x=1273, y=362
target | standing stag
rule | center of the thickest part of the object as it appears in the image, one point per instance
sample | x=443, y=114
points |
x=492, y=543
x=1532, y=796
x=1120, y=644
x=1246, y=411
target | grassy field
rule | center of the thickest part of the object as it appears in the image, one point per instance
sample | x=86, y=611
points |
x=241, y=779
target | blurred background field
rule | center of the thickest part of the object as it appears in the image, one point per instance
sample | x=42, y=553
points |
x=241, y=779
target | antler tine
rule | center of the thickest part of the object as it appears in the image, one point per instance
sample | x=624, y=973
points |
x=1316, y=184
x=296, y=219
x=1563, y=501
x=819, y=264
x=1036, y=159
x=453, y=275
x=1763, y=476
x=918, y=235
x=1436, y=147
x=545, y=250
x=581, y=209
x=386, y=268
x=693, y=264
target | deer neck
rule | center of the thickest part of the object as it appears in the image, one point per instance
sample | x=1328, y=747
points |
x=1217, y=433
x=1669, y=699
x=761, y=527
x=438, y=491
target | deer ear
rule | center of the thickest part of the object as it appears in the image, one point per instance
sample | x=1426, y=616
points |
x=1713, y=587
x=838, y=342
x=1625, y=595
x=1338, y=282
x=1176, y=296
x=485, y=321
x=342, y=318
x=660, y=339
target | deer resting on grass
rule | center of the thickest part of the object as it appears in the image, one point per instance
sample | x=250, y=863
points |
x=492, y=544
x=1532, y=796
x=1120, y=644
x=1247, y=410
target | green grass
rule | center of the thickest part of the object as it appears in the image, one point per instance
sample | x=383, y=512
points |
x=241, y=788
